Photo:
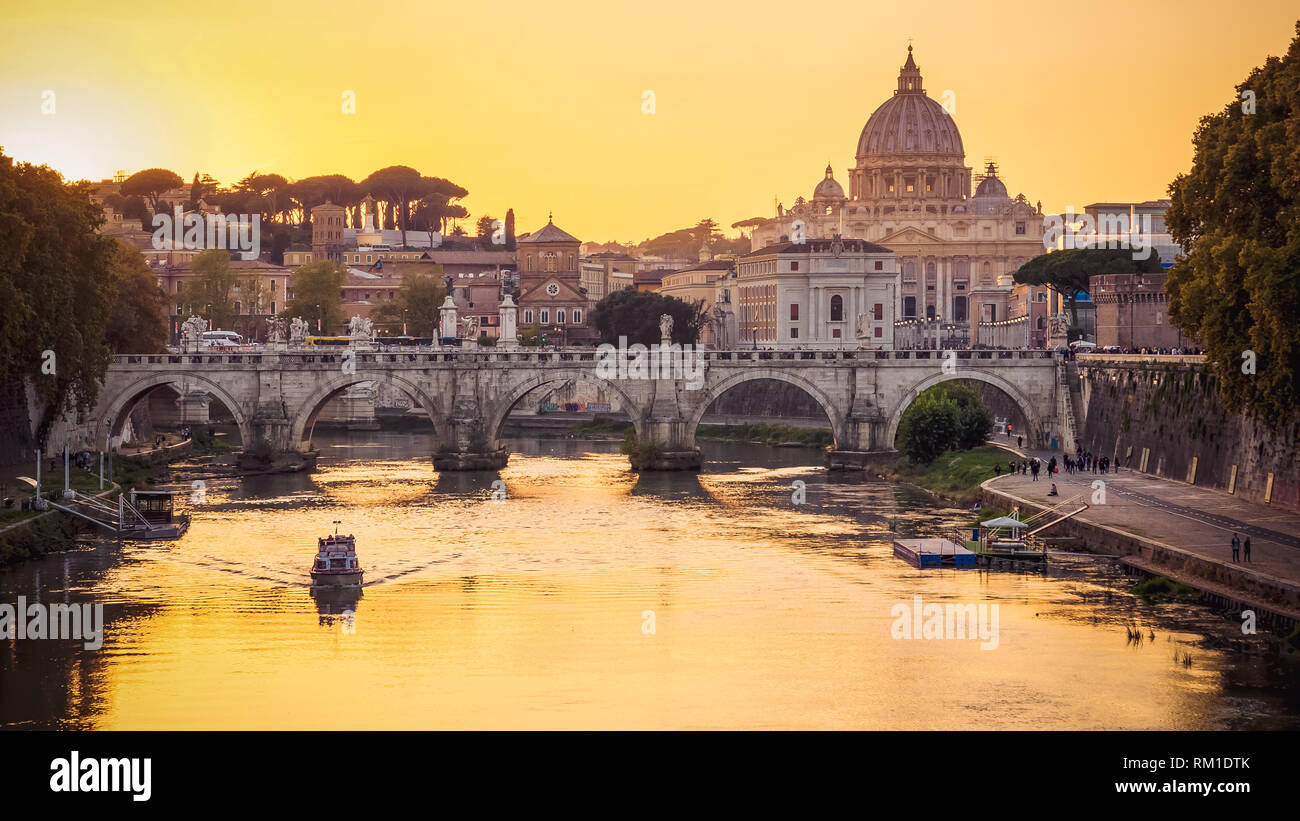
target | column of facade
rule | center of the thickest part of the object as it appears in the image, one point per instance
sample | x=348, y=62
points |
x=922, y=295
x=939, y=291
x=815, y=329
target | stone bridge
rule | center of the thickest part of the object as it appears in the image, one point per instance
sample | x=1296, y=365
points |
x=275, y=397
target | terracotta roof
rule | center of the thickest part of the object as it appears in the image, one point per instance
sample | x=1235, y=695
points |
x=550, y=233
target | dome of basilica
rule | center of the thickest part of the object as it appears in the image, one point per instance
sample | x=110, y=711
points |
x=910, y=122
x=828, y=188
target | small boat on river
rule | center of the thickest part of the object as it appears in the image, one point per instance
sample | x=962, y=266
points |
x=336, y=562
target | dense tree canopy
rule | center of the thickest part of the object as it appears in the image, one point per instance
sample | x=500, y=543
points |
x=416, y=304
x=210, y=295
x=56, y=288
x=139, y=320
x=1237, y=212
x=317, y=295
x=635, y=314
x=950, y=416
x=151, y=183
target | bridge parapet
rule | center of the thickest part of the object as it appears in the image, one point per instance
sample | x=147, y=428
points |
x=276, y=395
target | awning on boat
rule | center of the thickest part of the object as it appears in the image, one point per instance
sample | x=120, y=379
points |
x=1003, y=521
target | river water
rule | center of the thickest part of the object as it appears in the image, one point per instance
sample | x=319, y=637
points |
x=591, y=597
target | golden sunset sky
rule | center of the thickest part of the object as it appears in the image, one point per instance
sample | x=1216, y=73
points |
x=538, y=106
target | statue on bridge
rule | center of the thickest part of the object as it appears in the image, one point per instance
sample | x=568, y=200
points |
x=470, y=326
x=192, y=333
x=665, y=329
x=274, y=330
x=359, y=328
x=298, y=332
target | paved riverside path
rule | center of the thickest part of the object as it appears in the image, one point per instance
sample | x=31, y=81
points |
x=1195, y=519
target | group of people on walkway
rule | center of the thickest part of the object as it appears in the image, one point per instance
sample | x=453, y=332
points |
x=1085, y=461
x=1030, y=466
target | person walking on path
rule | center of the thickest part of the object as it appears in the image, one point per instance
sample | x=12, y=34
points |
x=1020, y=441
x=1236, y=546
x=1246, y=552
x=1034, y=469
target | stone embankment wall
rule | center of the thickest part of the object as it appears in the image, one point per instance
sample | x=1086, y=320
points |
x=1276, y=599
x=1163, y=416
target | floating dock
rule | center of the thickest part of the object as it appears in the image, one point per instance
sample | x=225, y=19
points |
x=925, y=553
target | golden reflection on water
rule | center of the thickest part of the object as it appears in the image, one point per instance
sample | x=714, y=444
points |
x=531, y=613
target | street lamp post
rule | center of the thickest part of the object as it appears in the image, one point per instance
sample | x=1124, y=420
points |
x=755, y=337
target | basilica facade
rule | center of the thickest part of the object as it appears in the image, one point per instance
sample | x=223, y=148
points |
x=910, y=192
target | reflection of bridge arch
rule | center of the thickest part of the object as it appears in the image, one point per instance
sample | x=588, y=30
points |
x=498, y=410
x=316, y=400
x=119, y=407
x=1026, y=407
x=714, y=392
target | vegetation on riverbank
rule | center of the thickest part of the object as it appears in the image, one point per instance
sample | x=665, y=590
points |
x=640, y=452
x=1159, y=589
x=955, y=475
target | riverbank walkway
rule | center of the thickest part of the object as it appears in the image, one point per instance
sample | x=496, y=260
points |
x=1198, y=520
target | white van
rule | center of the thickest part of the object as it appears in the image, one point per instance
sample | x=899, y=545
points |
x=222, y=339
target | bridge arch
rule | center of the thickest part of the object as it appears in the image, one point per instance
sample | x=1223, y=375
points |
x=499, y=409
x=306, y=413
x=713, y=392
x=1032, y=417
x=117, y=408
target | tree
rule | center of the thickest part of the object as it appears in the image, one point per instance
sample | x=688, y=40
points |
x=1068, y=272
x=635, y=314
x=510, y=229
x=949, y=416
x=214, y=280
x=1237, y=212
x=399, y=186
x=310, y=192
x=138, y=322
x=317, y=295
x=974, y=420
x=416, y=304
x=151, y=184
x=483, y=228
x=56, y=293
x=270, y=193
x=929, y=427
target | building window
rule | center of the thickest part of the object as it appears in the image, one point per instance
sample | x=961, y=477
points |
x=794, y=266
x=878, y=311
x=528, y=316
x=837, y=309
x=577, y=316
x=546, y=316
x=548, y=263
x=239, y=308
x=273, y=308
x=528, y=263
x=880, y=266
x=571, y=266
x=835, y=333
x=879, y=332
x=794, y=312
x=909, y=307
x=1020, y=228
x=794, y=333
x=559, y=316
x=179, y=309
